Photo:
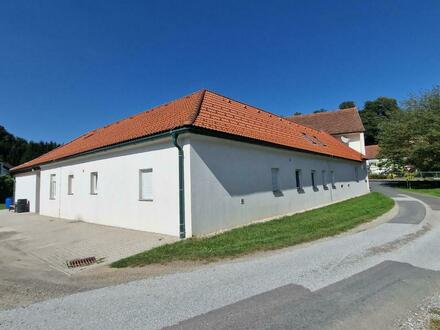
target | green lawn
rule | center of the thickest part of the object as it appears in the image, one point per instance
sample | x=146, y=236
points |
x=2, y=206
x=428, y=191
x=290, y=230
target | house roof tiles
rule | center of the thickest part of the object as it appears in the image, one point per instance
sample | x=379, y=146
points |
x=333, y=122
x=207, y=110
x=372, y=151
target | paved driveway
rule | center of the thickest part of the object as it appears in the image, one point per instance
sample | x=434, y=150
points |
x=363, y=280
x=55, y=241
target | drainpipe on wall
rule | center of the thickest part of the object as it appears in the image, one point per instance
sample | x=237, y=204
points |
x=181, y=186
x=331, y=179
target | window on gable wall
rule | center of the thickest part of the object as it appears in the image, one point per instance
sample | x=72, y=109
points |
x=146, y=184
x=53, y=186
x=70, y=184
x=94, y=183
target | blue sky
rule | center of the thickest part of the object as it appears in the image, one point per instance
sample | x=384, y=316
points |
x=70, y=66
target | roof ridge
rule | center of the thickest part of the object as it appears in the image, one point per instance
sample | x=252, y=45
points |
x=288, y=121
x=265, y=111
x=195, y=110
x=197, y=107
x=323, y=113
x=157, y=107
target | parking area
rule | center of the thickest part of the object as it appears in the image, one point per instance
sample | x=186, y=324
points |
x=56, y=241
x=34, y=250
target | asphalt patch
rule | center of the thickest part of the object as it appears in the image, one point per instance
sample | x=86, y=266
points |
x=433, y=202
x=370, y=299
x=410, y=212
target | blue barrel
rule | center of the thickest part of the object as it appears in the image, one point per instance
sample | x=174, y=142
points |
x=8, y=202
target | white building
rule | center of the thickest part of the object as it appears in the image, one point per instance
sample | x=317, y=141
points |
x=374, y=165
x=345, y=124
x=196, y=165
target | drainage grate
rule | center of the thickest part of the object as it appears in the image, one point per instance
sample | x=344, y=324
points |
x=81, y=262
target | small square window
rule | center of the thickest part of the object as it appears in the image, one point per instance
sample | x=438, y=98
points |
x=94, y=183
x=146, y=184
x=53, y=186
x=70, y=184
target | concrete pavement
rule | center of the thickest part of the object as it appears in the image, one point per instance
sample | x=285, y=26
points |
x=55, y=241
x=34, y=250
x=372, y=277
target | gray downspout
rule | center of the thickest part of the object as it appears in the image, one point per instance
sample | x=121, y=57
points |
x=181, y=186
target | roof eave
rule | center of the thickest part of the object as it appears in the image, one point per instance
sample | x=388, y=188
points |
x=189, y=128
x=349, y=132
x=108, y=147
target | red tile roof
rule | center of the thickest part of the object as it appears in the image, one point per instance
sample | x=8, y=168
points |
x=372, y=151
x=333, y=122
x=207, y=110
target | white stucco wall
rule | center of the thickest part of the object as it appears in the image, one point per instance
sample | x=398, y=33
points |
x=26, y=187
x=117, y=202
x=356, y=141
x=362, y=143
x=219, y=174
x=225, y=172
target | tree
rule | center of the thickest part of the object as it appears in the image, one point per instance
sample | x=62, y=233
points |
x=297, y=113
x=412, y=136
x=374, y=114
x=15, y=150
x=320, y=110
x=347, y=105
x=6, y=187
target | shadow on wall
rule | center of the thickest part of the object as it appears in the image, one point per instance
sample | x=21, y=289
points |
x=248, y=170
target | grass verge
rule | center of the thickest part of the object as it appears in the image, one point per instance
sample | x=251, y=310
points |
x=2, y=206
x=427, y=191
x=434, y=324
x=289, y=230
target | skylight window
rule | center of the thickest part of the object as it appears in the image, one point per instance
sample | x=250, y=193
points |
x=313, y=139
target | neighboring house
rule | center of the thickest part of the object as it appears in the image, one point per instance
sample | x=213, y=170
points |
x=193, y=166
x=345, y=125
x=4, y=168
x=373, y=162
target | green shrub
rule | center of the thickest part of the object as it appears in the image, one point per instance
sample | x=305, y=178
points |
x=377, y=176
